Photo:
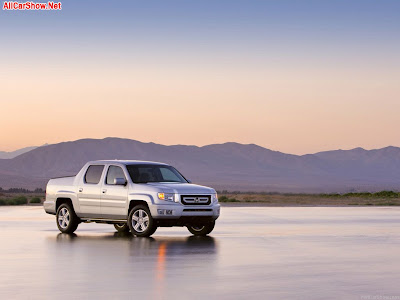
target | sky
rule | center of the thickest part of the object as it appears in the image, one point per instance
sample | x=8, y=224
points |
x=293, y=76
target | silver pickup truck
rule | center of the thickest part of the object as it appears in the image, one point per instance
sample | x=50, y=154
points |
x=135, y=196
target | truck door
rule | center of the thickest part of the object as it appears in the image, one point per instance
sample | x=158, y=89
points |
x=114, y=197
x=89, y=191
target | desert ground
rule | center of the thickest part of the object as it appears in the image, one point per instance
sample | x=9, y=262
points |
x=384, y=198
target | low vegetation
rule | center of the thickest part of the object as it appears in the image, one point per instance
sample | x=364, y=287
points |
x=35, y=200
x=382, y=198
x=381, y=194
x=12, y=199
x=226, y=199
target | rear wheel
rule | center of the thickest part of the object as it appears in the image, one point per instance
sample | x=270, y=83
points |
x=141, y=222
x=201, y=230
x=121, y=227
x=67, y=220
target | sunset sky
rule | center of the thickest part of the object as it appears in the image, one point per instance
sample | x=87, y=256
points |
x=294, y=76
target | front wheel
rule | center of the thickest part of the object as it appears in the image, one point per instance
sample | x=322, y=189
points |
x=141, y=222
x=201, y=230
x=121, y=227
x=67, y=220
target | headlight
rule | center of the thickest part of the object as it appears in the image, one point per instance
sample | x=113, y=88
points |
x=215, y=198
x=166, y=197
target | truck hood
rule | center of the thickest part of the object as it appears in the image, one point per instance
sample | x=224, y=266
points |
x=182, y=188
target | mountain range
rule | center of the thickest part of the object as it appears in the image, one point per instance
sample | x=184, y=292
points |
x=228, y=166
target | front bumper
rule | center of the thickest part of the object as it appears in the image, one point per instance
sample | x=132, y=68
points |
x=176, y=211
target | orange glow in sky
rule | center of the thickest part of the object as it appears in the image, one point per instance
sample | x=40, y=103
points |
x=288, y=80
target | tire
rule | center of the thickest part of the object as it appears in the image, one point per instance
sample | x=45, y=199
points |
x=67, y=220
x=201, y=230
x=141, y=222
x=121, y=227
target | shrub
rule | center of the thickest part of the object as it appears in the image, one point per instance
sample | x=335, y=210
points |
x=14, y=201
x=35, y=200
x=11, y=202
x=20, y=200
x=226, y=199
x=362, y=195
x=329, y=195
x=387, y=194
x=222, y=198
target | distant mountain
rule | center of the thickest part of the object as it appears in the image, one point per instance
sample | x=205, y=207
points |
x=230, y=166
x=12, y=154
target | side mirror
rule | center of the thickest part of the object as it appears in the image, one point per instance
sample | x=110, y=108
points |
x=188, y=180
x=119, y=181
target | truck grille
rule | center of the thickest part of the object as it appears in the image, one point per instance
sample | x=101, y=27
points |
x=196, y=199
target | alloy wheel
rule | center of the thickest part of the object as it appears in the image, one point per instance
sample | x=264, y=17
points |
x=63, y=218
x=140, y=220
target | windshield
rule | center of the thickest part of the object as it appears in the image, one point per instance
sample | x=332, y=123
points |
x=154, y=173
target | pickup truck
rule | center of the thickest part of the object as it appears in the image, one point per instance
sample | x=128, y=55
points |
x=135, y=196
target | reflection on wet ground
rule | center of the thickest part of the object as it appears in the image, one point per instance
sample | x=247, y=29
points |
x=274, y=253
x=121, y=262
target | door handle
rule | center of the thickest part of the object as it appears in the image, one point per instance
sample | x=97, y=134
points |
x=104, y=191
x=80, y=190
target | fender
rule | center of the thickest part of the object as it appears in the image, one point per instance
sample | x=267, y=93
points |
x=69, y=195
x=139, y=197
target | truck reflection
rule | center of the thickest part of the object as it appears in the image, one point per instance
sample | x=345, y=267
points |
x=157, y=246
x=159, y=257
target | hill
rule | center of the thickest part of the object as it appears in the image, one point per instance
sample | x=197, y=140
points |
x=230, y=166
x=12, y=154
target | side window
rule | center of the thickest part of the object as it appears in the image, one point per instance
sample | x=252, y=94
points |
x=114, y=172
x=93, y=174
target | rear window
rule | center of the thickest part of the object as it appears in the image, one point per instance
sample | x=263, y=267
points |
x=93, y=174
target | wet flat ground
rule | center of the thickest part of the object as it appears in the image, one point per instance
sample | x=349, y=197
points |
x=253, y=253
